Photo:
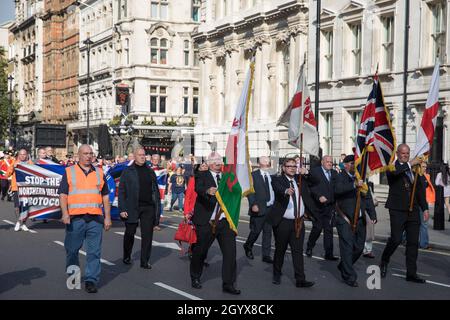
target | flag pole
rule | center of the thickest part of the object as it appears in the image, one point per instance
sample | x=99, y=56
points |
x=363, y=178
x=298, y=219
x=358, y=192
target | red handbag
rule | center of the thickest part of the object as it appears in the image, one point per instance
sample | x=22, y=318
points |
x=186, y=233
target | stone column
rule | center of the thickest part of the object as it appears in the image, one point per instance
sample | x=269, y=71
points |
x=266, y=90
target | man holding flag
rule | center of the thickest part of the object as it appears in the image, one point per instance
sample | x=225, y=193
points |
x=406, y=197
x=216, y=212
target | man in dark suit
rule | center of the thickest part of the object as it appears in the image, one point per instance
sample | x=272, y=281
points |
x=138, y=202
x=206, y=214
x=282, y=217
x=401, y=182
x=259, y=203
x=322, y=180
x=351, y=245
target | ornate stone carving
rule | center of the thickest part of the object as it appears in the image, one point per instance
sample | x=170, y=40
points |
x=220, y=53
x=203, y=55
x=212, y=81
x=230, y=47
x=412, y=116
x=283, y=37
x=272, y=70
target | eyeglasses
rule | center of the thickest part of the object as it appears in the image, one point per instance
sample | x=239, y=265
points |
x=290, y=166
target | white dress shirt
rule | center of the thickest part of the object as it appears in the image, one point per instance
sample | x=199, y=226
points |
x=289, y=213
x=272, y=193
x=213, y=215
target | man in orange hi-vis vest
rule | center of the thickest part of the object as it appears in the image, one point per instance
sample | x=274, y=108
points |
x=83, y=193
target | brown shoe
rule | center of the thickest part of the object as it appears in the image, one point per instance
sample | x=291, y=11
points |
x=369, y=255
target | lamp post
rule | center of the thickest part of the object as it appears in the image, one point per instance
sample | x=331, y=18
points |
x=88, y=42
x=10, y=80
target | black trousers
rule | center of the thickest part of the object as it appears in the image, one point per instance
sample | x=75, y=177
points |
x=351, y=246
x=258, y=224
x=284, y=235
x=4, y=183
x=409, y=222
x=324, y=222
x=227, y=242
x=147, y=216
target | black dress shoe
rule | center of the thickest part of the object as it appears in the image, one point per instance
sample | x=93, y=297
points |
x=304, y=284
x=248, y=252
x=231, y=290
x=196, y=284
x=352, y=283
x=276, y=280
x=331, y=258
x=309, y=253
x=126, y=260
x=146, y=265
x=415, y=279
x=383, y=269
x=267, y=259
x=90, y=287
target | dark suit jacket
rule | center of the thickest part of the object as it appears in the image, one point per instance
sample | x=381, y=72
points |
x=400, y=189
x=280, y=184
x=129, y=193
x=320, y=186
x=205, y=203
x=260, y=197
x=345, y=193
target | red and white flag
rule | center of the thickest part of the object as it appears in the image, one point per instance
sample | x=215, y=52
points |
x=426, y=130
x=293, y=116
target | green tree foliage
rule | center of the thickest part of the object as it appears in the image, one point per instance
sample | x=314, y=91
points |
x=4, y=98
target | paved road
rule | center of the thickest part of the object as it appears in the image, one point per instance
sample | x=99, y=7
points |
x=32, y=267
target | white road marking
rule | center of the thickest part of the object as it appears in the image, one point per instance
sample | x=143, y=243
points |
x=427, y=281
x=182, y=293
x=420, y=274
x=12, y=223
x=169, y=245
x=84, y=253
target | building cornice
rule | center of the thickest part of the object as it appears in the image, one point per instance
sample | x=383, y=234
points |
x=249, y=21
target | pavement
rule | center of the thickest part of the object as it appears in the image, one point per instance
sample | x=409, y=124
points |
x=32, y=266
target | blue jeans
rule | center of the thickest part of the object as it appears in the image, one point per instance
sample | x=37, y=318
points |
x=77, y=232
x=423, y=234
x=180, y=198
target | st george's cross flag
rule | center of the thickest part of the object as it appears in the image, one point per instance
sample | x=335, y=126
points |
x=426, y=130
x=236, y=180
x=299, y=112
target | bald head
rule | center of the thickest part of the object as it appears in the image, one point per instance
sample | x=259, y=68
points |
x=403, y=153
x=85, y=155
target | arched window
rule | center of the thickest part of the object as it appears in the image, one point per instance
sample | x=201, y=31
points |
x=158, y=51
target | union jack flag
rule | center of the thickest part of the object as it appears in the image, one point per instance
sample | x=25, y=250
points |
x=375, y=141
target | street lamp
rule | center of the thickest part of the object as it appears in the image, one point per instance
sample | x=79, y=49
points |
x=88, y=42
x=10, y=79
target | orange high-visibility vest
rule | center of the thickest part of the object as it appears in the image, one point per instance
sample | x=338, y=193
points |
x=84, y=191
